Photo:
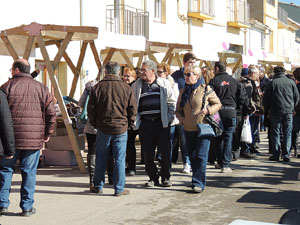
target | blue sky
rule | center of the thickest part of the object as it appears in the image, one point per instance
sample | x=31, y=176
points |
x=296, y=2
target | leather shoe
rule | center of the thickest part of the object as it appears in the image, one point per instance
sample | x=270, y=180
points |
x=3, y=210
x=29, y=212
x=124, y=192
x=96, y=190
x=285, y=159
x=274, y=158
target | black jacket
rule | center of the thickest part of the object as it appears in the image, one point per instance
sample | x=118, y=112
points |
x=7, y=140
x=226, y=88
x=281, y=95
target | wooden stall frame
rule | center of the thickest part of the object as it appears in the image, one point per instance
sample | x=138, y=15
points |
x=223, y=56
x=34, y=31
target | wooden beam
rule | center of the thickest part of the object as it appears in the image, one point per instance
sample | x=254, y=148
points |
x=238, y=63
x=167, y=55
x=9, y=47
x=152, y=57
x=68, y=61
x=170, y=59
x=62, y=49
x=51, y=42
x=129, y=63
x=109, y=55
x=78, y=68
x=177, y=57
x=28, y=47
x=63, y=109
x=95, y=53
x=140, y=60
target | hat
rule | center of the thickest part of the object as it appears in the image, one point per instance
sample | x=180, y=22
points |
x=244, y=72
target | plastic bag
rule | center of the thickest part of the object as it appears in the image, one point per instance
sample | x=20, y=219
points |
x=246, y=135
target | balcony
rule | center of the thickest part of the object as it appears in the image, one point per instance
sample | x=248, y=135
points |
x=123, y=19
x=282, y=18
x=238, y=12
x=202, y=9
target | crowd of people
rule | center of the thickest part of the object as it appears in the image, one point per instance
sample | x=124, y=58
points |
x=164, y=109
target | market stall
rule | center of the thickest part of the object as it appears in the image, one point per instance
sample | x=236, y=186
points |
x=22, y=41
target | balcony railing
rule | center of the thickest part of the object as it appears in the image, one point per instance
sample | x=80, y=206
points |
x=202, y=9
x=282, y=16
x=123, y=19
x=238, y=12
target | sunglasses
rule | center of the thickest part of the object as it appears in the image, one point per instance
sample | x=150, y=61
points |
x=188, y=74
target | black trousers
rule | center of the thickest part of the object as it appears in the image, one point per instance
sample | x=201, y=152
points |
x=131, y=150
x=152, y=135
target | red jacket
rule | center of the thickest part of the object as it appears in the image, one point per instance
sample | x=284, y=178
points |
x=32, y=110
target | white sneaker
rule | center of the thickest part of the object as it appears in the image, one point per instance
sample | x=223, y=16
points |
x=186, y=168
x=226, y=170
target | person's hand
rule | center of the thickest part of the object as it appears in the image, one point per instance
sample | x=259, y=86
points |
x=46, y=138
x=204, y=111
x=9, y=156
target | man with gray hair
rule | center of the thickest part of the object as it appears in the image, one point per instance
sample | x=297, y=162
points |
x=255, y=110
x=156, y=108
x=112, y=111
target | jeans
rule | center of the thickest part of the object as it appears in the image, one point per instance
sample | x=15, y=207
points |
x=225, y=141
x=284, y=121
x=103, y=144
x=183, y=145
x=198, y=149
x=29, y=160
x=153, y=134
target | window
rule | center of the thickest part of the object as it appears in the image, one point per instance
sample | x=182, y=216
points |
x=160, y=10
x=272, y=2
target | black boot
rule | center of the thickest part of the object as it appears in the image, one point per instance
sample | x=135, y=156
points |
x=91, y=160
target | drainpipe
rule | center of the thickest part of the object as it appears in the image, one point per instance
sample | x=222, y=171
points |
x=81, y=71
x=189, y=23
x=183, y=18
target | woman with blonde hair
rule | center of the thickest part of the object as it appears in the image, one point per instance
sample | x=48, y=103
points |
x=208, y=75
x=191, y=110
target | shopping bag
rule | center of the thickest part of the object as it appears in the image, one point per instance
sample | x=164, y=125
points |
x=246, y=135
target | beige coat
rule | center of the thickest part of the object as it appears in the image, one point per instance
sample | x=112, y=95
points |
x=185, y=116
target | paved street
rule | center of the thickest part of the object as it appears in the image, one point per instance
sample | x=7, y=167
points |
x=257, y=190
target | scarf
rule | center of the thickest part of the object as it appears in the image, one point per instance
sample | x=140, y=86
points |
x=187, y=92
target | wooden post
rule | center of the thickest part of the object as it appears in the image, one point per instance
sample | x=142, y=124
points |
x=109, y=55
x=62, y=106
x=78, y=68
x=178, y=60
x=28, y=47
x=167, y=55
x=62, y=49
x=95, y=53
x=139, y=63
x=129, y=63
x=10, y=48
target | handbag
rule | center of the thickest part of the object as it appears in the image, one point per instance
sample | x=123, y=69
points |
x=246, y=134
x=214, y=120
x=203, y=130
x=216, y=123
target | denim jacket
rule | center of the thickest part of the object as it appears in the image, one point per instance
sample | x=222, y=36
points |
x=167, y=101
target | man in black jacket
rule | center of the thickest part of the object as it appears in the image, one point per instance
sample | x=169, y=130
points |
x=280, y=98
x=226, y=88
x=7, y=140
